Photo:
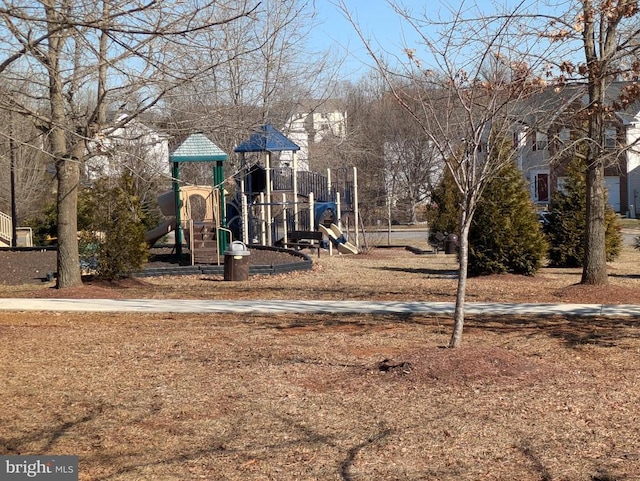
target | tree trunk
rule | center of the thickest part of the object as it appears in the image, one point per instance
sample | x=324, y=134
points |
x=594, y=270
x=413, y=212
x=458, y=315
x=68, y=260
x=595, y=263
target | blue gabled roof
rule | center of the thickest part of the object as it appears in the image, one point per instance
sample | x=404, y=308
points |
x=197, y=148
x=267, y=139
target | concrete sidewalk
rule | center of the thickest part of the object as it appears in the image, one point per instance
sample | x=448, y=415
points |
x=316, y=307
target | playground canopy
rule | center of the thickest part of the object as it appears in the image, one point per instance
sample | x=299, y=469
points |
x=267, y=139
x=198, y=148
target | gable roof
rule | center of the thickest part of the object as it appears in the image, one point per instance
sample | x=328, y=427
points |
x=543, y=108
x=267, y=139
x=197, y=148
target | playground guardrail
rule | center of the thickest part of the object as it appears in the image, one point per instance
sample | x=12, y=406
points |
x=6, y=228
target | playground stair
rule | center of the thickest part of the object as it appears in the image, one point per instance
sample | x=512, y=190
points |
x=205, y=243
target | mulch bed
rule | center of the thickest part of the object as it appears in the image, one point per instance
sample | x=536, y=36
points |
x=33, y=266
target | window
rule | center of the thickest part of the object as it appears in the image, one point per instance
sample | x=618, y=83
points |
x=541, y=142
x=561, y=184
x=610, y=135
x=564, y=135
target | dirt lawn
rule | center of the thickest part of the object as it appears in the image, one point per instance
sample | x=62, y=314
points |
x=330, y=397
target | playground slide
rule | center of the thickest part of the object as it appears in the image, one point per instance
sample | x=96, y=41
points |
x=335, y=235
x=153, y=235
x=329, y=233
x=344, y=246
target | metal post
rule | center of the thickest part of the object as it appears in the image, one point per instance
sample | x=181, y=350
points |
x=296, y=218
x=175, y=174
x=311, y=208
x=268, y=162
x=284, y=219
x=263, y=221
x=356, y=212
x=245, y=220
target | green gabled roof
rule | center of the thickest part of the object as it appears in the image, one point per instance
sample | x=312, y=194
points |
x=197, y=148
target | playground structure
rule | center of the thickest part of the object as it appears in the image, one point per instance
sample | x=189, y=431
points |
x=272, y=201
x=269, y=204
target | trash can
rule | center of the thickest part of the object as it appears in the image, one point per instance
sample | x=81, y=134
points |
x=451, y=244
x=236, y=262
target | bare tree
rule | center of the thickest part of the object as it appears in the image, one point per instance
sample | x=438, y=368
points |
x=606, y=33
x=412, y=163
x=270, y=68
x=19, y=158
x=82, y=58
x=467, y=115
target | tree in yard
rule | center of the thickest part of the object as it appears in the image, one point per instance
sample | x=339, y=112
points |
x=33, y=183
x=446, y=200
x=565, y=226
x=412, y=162
x=267, y=67
x=606, y=33
x=505, y=235
x=81, y=59
x=114, y=241
x=468, y=90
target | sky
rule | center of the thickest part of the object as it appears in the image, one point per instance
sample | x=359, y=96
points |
x=379, y=23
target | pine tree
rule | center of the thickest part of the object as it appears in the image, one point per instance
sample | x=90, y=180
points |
x=115, y=245
x=505, y=235
x=565, y=229
x=446, y=199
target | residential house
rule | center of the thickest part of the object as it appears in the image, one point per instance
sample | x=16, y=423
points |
x=312, y=122
x=552, y=125
x=131, y=145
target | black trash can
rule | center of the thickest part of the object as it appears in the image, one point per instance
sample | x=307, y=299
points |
x=236, y=262
x=451, y=244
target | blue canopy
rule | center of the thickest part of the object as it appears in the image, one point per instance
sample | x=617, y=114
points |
x=267, y=139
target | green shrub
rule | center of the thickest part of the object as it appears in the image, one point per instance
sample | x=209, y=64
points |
x=565, y=229
x=114, y=245
x=445, y=199
x=505, y=235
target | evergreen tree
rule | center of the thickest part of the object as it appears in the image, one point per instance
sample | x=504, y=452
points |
x=446, y=199
x=505, y=235
x=114, y=245
x=565, y=229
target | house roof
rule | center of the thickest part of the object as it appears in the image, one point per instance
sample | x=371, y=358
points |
x=267, y=139
x=197, y=148
x=543, y=108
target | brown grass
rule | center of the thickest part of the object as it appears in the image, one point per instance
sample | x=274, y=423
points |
x=291, y=397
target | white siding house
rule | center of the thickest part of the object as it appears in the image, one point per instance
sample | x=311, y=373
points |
x=130, y=145
x=312, y=122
